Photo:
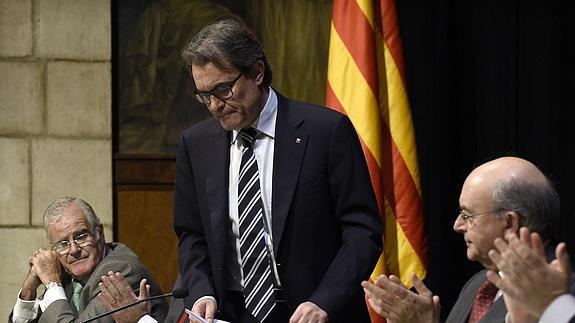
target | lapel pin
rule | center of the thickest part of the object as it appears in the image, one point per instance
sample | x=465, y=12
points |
x=297, y=140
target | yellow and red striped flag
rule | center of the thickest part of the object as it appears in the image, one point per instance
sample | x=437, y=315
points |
x=366, y=81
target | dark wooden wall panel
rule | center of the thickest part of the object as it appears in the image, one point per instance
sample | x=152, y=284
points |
x=143, y=220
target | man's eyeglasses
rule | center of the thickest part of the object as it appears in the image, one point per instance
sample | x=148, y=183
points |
x=222, y=92
x=81, y=240
x=469, y=216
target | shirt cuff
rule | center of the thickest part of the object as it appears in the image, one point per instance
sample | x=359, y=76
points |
x=147, y=319
x=27, y=310
x=204, y=297
x=562, y=309
x=51, y=295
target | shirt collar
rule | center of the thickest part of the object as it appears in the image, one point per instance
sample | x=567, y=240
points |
x=266, y=121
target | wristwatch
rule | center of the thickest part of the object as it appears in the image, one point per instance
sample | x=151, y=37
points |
x=53, y=284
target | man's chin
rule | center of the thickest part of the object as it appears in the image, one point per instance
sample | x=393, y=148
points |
x=472, y=255
x=229, y=126
x=233, y=121
x=80, y=269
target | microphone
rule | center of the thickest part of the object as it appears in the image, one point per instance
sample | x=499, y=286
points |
x=176, y=293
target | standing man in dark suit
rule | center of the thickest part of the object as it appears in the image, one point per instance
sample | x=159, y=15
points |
x=73, y=268
x=497, y=198
x=306, y=205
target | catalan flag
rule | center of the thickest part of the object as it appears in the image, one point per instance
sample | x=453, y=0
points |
x=366, y=81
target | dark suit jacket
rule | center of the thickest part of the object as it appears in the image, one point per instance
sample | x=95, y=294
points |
x=176, y=308
x=462, y=308
x=326, y=228
x=119, y=258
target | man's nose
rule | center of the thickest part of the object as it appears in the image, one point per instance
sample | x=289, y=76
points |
x=74, y=248
x=215, y=103
x=459, y=225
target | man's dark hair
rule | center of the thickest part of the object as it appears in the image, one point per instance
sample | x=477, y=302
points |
x=537, y=205
x=227, y=43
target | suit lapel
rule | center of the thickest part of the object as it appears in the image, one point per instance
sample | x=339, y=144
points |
x=462, y=308
x=496, y=312
x=289, y=148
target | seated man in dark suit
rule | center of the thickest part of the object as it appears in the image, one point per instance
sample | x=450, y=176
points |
x=497, y=198
x=74, y=266
x=538, y=290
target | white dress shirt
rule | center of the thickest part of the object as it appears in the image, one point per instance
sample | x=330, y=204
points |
x=561, y=310
x=263, y=149
x=264, y=153
x=26, y=311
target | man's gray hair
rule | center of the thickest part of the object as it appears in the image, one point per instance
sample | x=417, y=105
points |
x=56, y=209
x=536, y=203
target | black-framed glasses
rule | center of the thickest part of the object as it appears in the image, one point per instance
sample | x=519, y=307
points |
x=222, y=92
x=81, y=240
x=465, y=216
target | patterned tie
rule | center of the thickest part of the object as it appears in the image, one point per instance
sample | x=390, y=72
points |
x=258, y=283
x=483, y=301
x=76, y=291
x=183, y=318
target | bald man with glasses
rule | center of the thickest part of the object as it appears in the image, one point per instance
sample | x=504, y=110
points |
x=73, y=267
x=497, y=198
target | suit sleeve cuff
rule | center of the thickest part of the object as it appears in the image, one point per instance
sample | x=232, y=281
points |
x=562, y=309
x=204, y=297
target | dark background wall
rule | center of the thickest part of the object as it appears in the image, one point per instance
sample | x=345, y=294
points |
x=485, y=79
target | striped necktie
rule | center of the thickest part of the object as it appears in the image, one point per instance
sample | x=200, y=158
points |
x=258, y=283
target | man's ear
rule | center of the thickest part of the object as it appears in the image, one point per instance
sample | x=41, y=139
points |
x=259, y=72
x=512, y=221
x=99, y=233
